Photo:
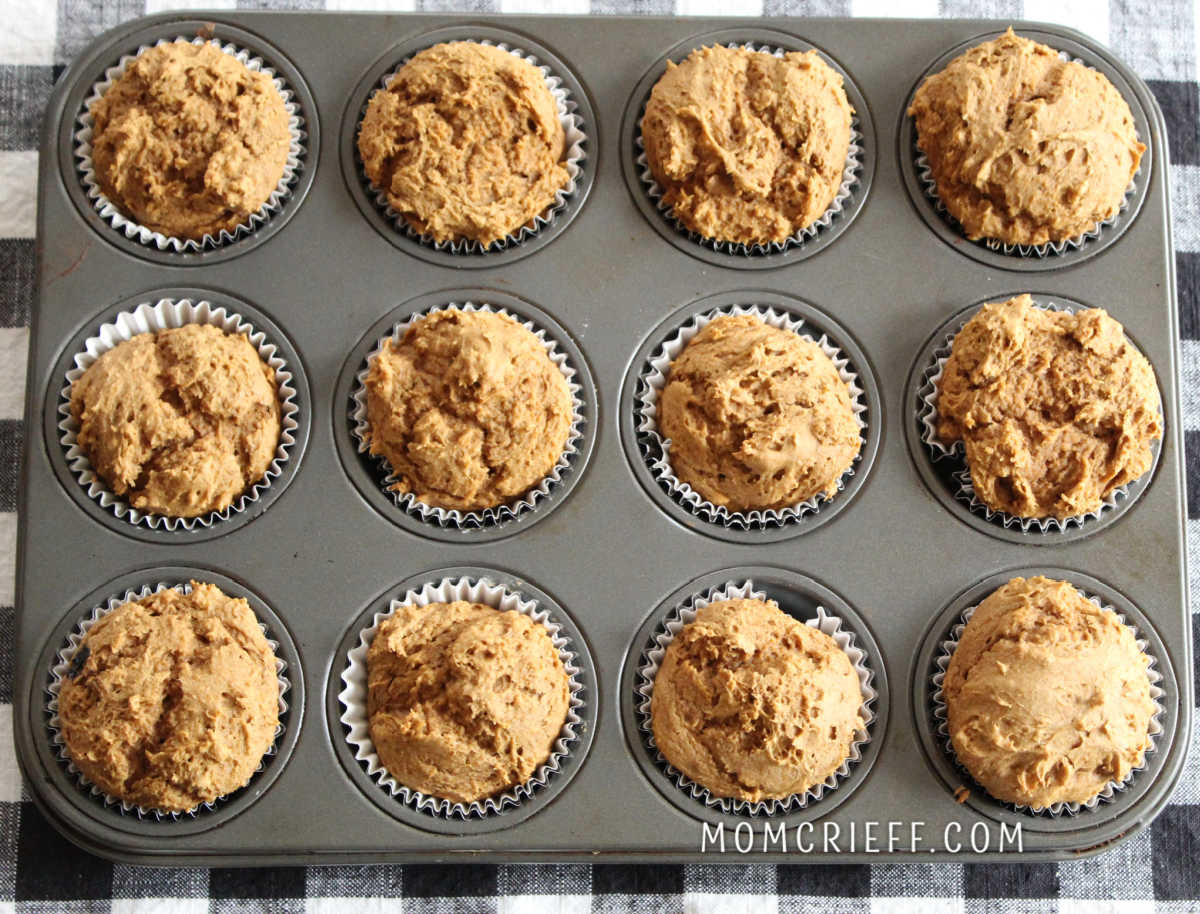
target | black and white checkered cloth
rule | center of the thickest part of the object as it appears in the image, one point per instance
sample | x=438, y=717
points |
x=1157, y=870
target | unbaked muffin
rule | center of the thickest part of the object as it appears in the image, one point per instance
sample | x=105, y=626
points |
x=748, y=147
x=189, y=141
x=1056, y=410
x=464, y=701
x=758, y=417
x=753, y=704
x=468, y=409
x=1047, y=695
x=1025, y=147
x=466, y=143
x=171, y=701
x=178, y=422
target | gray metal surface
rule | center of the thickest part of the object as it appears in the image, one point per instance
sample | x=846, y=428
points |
x=321, y=553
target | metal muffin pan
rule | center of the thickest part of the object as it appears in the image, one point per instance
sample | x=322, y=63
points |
x=604, y=547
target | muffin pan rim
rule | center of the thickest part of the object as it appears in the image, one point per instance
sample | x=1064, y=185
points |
x=105, y=52
x=944, y=491
x=75, y=803
x=290, y=467
x=1144, y=785
x=944, y=226
x=630, y=128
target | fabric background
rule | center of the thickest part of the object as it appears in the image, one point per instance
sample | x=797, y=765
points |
x=39, y=871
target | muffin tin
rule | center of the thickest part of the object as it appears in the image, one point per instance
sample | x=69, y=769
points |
x=608, y=551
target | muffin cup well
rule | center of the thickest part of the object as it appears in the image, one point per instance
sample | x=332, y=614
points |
x=574, y=140
x=452, y=517
x=851, y=172
x=353, y=697
x=62, y=667
x=148, y=237
x=938, y=705
x=657, y=455
x=927, y=418
x=168, y=313
x=651, y=660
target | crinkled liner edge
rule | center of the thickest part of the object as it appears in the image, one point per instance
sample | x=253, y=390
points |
x=353, y=696
x=1051, y=248
x=574, y=140
x=937, y=701
x=653, y=380
x=850, y=178
x=927, y=416
x=651, y=659
x=147, y=236
x=63, y=663
x=165, y=314
x=452, y=517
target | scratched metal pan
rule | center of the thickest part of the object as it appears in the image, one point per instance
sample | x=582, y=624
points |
x=610, y=551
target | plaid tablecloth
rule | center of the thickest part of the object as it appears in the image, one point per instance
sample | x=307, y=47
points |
x=1159, y=870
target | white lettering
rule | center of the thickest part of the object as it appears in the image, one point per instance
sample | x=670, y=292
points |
x=914, y=835
x=717, y=834
x=893, y=836
x=955, y=846
x=987, y=838
x=804, y=847
x=831, y=841
x=737, y=837
x=1011, y=836
x=870, y=846
x=779, y=837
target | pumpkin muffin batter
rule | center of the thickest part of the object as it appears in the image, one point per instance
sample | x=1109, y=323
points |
x=189, y=141
x=748, y=147
x=754, y=704
x=1025, y=147
x=466, y=142
x=758, y=418
x=171, y=701
x=179, y=422
x=464, y=701
x=1056, y=410
x=1047, y=695
x=468, y=409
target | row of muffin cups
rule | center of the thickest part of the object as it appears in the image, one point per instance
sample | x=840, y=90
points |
x=942, y=465
x=800, y=597
x=577, y=120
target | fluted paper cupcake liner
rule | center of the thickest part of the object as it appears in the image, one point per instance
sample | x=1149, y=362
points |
x=938, y=702
x=1049, y=249
x=62, y=667
x=574, y=140
x=927, y=416
x=652, y=658
x=111, y=214
x=452, y=517
x=850, y=176
x=656, y=450
x=166, y=314
x=353, y=697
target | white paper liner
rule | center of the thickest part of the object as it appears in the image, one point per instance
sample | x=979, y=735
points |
x=62, y=666
x=654, y=379
x=353, y=697
x=652, y=657
x=452, y=517
x=850, y=174
x=925, y=175
x=166, y=314
x=937, y=699
x=144, y=235
x=927, y=415
x=574, y=139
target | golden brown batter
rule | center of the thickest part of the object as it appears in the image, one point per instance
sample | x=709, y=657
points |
x=748, y=147
x=171, y=701
x=468, y=409
x=1025, y=147
x=1056, y=410
x=758, y=418
x=464, y=700
x=1047, y=695
x=754, y=704
x=178, y=422
x=189, y=141
x=466, y=142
